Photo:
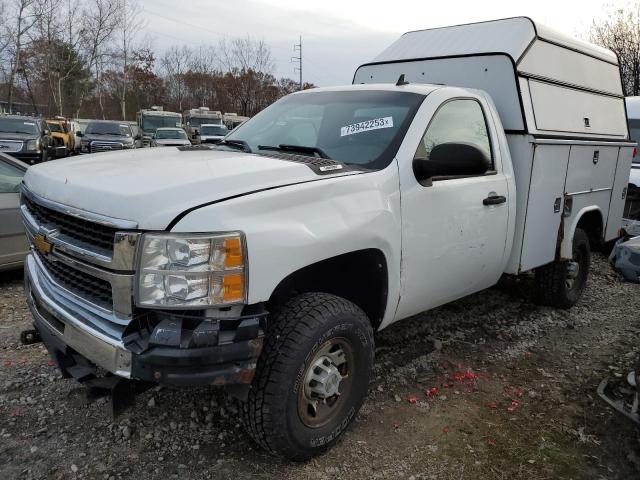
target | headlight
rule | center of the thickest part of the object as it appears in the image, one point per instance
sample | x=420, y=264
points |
x=33, y=144
x=191, y=270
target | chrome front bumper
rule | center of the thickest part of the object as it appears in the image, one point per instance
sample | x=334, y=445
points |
x=63, y=320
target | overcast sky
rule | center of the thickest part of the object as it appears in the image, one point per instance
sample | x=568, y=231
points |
x=339, y=35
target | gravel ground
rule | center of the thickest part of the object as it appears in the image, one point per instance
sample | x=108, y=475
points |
x=491, y=386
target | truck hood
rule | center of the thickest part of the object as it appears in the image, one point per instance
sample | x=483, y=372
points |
x=152, y=186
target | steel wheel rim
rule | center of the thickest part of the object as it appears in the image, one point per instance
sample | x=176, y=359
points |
x=575, y=270
x=326, y=383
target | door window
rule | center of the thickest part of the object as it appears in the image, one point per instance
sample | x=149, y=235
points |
x=457, y=121
x=10, y=178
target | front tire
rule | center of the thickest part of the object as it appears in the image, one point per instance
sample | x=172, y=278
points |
x=560, y=284
x=312, y=376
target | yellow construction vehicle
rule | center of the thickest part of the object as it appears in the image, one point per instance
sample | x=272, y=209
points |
x=62, y=136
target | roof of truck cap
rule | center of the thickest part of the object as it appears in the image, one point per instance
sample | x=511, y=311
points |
x=421, y=88
x=511, y=36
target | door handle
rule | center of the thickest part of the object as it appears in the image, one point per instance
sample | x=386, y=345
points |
x=494, y=200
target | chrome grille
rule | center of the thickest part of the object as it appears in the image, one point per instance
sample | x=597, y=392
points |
x=104, y=146
x=10, y=146
x=81, y=284
x=84, y=231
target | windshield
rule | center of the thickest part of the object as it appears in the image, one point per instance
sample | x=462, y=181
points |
x=104, y=128
x=361, y=127
x=152, y=123
x=17, y=125
x=196, y=122
x=214, y=130
x=171, y=134
x=54, y=127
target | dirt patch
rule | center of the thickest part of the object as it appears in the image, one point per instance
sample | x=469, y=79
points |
x=491, y=386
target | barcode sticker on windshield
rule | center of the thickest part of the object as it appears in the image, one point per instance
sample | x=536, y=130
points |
x=367, y=125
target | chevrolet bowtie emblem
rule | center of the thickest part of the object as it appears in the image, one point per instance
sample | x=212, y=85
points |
x=42, y=245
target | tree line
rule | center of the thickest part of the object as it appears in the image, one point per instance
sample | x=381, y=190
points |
x=91, y=58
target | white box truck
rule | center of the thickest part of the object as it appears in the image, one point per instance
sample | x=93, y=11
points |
x=266, y=262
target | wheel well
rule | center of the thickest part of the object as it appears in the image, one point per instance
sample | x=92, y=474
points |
x=360, y=277
x=591, y=223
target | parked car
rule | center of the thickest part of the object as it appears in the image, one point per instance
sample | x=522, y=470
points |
x=265, y=263
x=210, y=133
x=104, y=135
x=13, y=241
x=170, y=137
x=25, y=138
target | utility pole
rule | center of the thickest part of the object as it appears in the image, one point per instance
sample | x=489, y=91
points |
x=298, y=48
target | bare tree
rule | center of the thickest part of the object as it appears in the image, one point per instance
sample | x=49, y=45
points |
x=98, y=23
x=202, y=72
x=128, y=28
x=244, y=54
x=248, y=63
x=24, y=20
x=620, y=32
x=4, y=33
x=175, y=64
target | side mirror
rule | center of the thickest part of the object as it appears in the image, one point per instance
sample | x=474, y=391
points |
x=452, y=160
x=138, y=137
x=45, y=132
x=79, y=133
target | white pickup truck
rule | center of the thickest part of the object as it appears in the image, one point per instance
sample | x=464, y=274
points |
x=265, y=263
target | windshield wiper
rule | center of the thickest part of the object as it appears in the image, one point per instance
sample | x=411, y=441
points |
x=237, y=144
x=284, y=147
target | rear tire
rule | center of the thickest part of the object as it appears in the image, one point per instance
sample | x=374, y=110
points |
x=561, y=283
x=312, y=376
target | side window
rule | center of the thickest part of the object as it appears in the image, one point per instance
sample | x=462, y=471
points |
x=457, y=121
x=10, y=178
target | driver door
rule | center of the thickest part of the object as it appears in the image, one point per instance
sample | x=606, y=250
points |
x=453, y=243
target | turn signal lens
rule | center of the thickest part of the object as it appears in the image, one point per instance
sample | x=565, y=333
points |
x=233, y=288
x=233, y=248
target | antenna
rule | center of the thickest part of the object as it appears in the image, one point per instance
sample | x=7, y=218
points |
x=401, y=81
x=298, y=48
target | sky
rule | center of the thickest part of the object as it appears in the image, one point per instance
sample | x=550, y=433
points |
x=340, y=35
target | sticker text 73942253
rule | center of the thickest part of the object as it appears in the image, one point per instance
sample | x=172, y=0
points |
x=367, y=125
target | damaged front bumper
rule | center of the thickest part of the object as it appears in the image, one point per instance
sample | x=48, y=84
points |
x=158, y=347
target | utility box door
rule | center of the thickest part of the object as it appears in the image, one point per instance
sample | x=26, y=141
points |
x=561, y=109
x=618, y=195
x=591, y=167
x=544, y=206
